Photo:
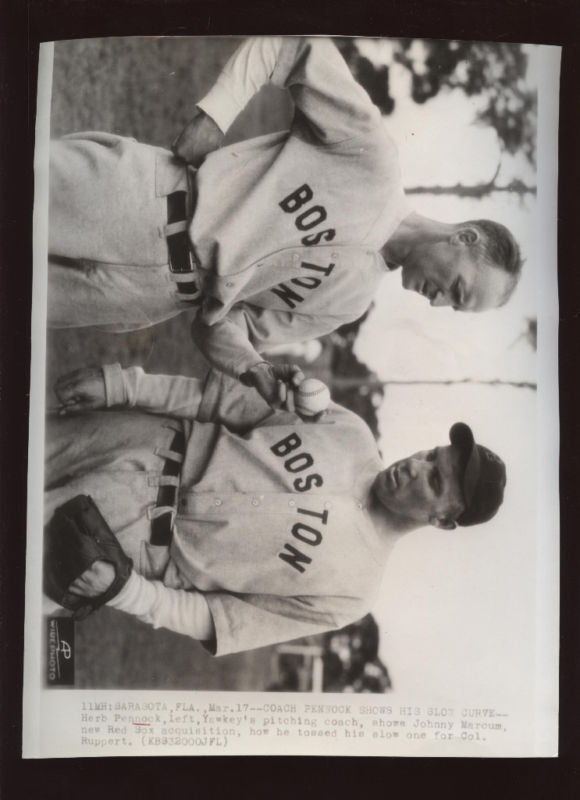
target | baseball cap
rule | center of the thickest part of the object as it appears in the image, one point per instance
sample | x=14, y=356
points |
x=484, y=477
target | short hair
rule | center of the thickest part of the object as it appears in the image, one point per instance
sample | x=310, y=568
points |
x=499, y=249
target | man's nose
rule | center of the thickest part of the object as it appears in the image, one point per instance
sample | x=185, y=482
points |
x=440, y=300
x=413, y=467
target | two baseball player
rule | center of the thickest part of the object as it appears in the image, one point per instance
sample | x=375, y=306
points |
x=252, y=526
x=276, y=239
x=248, y=526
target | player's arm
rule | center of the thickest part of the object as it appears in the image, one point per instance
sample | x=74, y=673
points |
x=228, y=349
x=185, y=612
x=249, y=68
x=111, y=386
x=179, y=610
x=227, y=622
x=234, y=344
x=332, y=107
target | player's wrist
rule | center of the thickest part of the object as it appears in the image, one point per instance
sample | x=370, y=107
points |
x=248, y=378
x=137, y=596
x=113, y=384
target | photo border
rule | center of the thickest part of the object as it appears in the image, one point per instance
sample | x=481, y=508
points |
x=549, y=23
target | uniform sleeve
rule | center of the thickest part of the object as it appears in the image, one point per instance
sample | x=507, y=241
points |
x=233, y=344
x=246, y=621
x=175, y=395
x=248, y=69
x=228, y=402
x=185, y=612
x=331, y=106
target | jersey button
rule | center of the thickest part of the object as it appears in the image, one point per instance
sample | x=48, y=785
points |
x=229, y=284
x=255, y=501
x=359, y=505
x=217, y=501
x=291, y=503
x=328, y=505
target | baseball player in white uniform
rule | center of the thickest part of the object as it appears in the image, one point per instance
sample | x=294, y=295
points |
x=277, y=239
x=252, y=526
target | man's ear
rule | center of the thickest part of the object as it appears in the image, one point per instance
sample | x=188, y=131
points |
x=442, y=523
x=466, y=236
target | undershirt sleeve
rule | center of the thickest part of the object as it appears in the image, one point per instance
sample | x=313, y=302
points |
x=185, y=612
x=174, y=395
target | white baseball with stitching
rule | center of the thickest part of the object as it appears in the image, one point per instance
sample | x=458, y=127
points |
x=312, y=397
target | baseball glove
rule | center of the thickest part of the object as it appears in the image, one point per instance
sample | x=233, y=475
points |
x=75, y=538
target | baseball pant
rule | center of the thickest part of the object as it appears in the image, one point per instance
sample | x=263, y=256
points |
x=117, y=458
x=108, y=255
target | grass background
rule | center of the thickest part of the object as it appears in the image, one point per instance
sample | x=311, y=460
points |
x=147, y=88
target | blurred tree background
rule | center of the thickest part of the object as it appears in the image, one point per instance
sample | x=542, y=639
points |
x=493, y=73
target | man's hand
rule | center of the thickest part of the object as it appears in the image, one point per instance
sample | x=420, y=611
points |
x=200, y=136
x=275, y=383
x=81, y=390
x=94, y=581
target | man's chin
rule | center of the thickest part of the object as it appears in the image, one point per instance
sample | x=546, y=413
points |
x=381, y=490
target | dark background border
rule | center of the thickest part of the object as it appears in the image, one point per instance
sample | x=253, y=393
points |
x=25, y=23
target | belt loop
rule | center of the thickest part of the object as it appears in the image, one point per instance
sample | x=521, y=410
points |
x=175, y=227
x=162, y=515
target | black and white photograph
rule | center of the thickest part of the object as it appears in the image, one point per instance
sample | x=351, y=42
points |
x=296, y=421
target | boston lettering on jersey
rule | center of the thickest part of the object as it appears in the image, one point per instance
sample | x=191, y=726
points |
x=307, y=219
x=310, y=218
x=308, y=534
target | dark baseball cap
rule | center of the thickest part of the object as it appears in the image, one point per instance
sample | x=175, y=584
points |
x=483, y=480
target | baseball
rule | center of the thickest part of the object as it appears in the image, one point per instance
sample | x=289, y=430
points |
x=311, y=397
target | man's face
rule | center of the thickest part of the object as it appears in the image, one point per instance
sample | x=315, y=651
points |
x=424, y=488
x=448, y=273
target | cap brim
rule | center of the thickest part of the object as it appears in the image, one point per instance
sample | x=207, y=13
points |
x=462, y=439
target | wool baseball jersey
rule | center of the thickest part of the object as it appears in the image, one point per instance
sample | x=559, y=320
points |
x=273, y=521
x=288, y=226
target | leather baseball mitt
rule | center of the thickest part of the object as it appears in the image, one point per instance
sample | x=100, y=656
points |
x=75, y=538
